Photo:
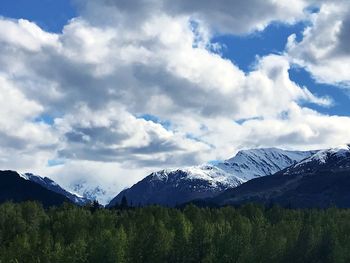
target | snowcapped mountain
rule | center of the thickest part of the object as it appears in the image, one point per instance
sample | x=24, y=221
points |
x=335, y=158
x=92, y=192
x=321, y=180
x=176, y=186
x=54, y=187
x=214, y=176
x=249, y=164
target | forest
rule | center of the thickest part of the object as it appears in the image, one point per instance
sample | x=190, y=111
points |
x=251, y=233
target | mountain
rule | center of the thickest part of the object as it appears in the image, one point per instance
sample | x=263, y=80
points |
x=331, y=159
x=322, y=180
x=249, y=164
x=15, y=187
x=172, y=187
x=176, y=186
x=53, y=186
x=91, y=191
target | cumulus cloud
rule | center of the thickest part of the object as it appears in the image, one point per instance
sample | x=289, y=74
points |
x=24, y=143
x=24, y=34
x=324, y=49
x=225, y=16
x=113, y=134
x=120, y=61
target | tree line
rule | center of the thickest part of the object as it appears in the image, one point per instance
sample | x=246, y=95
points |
x=251, y=233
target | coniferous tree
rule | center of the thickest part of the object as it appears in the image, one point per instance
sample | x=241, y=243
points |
x=30, y=233
x=94, y=206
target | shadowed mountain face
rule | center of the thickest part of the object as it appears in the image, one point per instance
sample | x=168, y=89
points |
x=177, y=186
x=53, y=186
x=14, y=187
x=320, y=181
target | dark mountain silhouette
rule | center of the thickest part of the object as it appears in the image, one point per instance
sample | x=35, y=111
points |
x=15, y=188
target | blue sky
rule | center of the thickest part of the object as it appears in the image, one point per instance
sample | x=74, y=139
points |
x=243, y=49
x=339, y=96
x=51, y=15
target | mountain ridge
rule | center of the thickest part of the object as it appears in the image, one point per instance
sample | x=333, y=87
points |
x=200, y=181
x=53, y=186
x=320, y=181
x=14, y=187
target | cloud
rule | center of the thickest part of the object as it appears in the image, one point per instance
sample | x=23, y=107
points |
x=104, y=179
x=324, y=49
x=24, y=143
x=239, y=17
x=229, y=17
x=24, y=34
x=299, y=127
x=114, y=135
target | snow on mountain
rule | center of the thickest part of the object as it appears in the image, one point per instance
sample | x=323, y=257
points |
x=322, y=155
x=319, y=181
x=244, y=166
x=175, y=186
x=249, y=164
x=335, y=158
x=209, y=173
x=171, y=187
x=89, y=191
x=53, y=186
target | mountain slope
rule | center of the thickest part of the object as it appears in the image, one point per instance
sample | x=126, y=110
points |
x=53, y=186
x=249, y=164
x=330, y=159
x=92, y=191
x=172, y=187
x=13, y=187
x=322, y=180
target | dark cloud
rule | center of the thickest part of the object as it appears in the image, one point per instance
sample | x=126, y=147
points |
x=9, y=141
x=344, y=37
x=96, y=150
x=130, y=13
x=224, y=16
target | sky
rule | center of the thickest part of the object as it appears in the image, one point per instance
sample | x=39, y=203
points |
x=103, y=92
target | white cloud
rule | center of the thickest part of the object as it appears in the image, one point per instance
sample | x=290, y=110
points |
x=24, y=143
x=24, y=34
x=299, y=127
x=324, y=49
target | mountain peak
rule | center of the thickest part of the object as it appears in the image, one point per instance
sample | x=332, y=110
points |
x=252, y=163
x=322, y=180
x=333, y=158
x=323, y=155
x=176, y=186
x=18, y=188
x=53, y=186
